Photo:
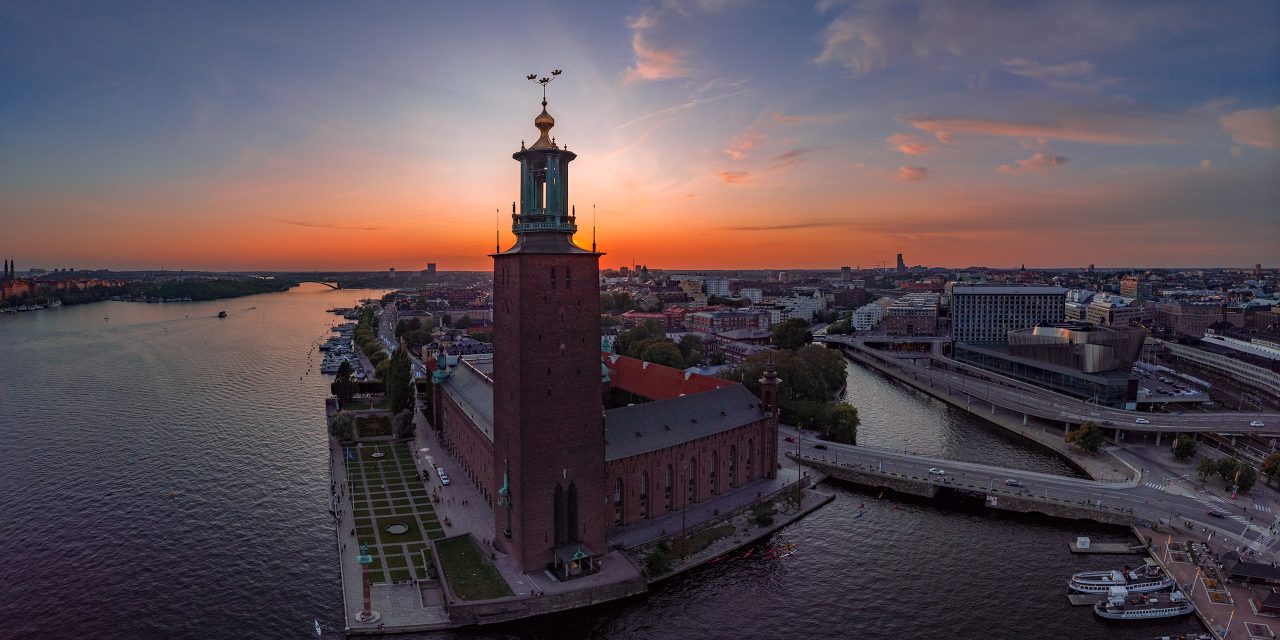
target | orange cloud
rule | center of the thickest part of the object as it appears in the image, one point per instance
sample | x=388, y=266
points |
x=1254, y=127
x=743, y=143
x=1099, y=129
x=908, y=144
x=653, y=63
x=912, y=174
x=1037, y=162
x=734, y=177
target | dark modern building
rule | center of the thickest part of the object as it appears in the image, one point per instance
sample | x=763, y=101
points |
x=1075, y=358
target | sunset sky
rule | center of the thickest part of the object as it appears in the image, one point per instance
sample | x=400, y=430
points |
x=714, y=134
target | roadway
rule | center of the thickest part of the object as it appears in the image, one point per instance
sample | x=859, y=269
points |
x=1023, y=397
x=1152, y=495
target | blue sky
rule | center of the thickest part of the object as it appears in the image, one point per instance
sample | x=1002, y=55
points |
x=710, y=134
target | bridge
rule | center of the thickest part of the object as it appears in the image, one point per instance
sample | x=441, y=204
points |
x=1146, y=499
x=950, y=378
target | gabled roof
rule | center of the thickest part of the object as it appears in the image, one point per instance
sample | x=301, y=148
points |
x=473, y=392
x=655, y=381
x=642, y=428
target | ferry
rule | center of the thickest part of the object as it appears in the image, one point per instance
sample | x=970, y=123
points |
x=1186, y=636
x=1120, y=605
x=1145, y=578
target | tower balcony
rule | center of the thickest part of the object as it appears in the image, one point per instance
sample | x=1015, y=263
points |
x=543, y=223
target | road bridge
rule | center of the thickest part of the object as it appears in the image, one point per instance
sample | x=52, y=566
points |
x=943, y=376
x=1172, y=501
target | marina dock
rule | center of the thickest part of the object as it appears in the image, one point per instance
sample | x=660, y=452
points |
x=1108, y=548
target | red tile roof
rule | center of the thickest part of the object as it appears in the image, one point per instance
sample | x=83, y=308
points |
x=655, y=381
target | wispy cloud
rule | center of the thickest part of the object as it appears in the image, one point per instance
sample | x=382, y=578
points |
x=1100, y=129
x=743, y=143
x=683, y=106
x=1036, y=71
x=734, y=177
x=908, y=144
x=1254, y=127
x=816, y=118
x=784, y=227
x=913, y=174
x=653, y=63
x=329, y=225
x=1037, y=163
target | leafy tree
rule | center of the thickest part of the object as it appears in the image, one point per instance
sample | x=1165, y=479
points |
x=1227, y=467
x=1184, y=447
x=841, y=424
x=462, y=322
x=343, y=386
x=1206, y=467
x=1088, y=437
x=402, y=424
x=401, y=327
x=659, y=560
x=664, y=352
x=377, y=357
x=840, y=327
x=647, y=330
x=691, y=349
x=792, y=334
x=399, y=380
x=380, y=370
x=342, y=425
x=1246, y=477
x=1271, y=466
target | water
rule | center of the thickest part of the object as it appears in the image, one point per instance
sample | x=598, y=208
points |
x=165, y=476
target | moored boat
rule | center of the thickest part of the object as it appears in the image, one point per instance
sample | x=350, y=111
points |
x=1145, y=578
x=1122, y=605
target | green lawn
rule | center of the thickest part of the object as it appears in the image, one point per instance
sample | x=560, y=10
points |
x=702, y=539
x=468, y=571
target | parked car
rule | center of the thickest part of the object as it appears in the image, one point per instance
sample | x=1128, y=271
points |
x=1257, y=423
x=823, y=447
x=1014, y=483
x=444, y=477
x=1142, y=421
x=1215, y=514
x=789, y=439
x=937, y=472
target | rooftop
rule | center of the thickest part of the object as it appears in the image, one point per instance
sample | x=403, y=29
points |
x=655, y=381
x=642, y=428
x=970, y=289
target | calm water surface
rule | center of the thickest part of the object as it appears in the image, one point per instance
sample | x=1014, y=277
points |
x=164, y=476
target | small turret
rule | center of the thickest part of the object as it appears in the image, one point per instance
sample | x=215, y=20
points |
x=769, y=388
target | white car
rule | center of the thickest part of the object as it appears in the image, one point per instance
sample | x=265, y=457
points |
x=937, y=472
x=444, y=477
x=1257, y=423
x=1142, y=421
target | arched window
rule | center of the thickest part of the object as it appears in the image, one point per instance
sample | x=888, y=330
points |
x=715, y=468
x=617, y=502
x=644, y=495
x=750, y=459
x=561, y=516
x=733, y=465
x=568, y=278
x=666, y=488
x=553, y=277
x=573, y=513
x=692, y=494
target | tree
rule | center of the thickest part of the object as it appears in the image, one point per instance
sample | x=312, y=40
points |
x=402, y=424
x=1246, y=477
x=664, y=352
x=343, y=386
x=628, y=341
x=380, y=370
x=1184, y=447
x=342, y=425
x=462, y=322
x=376, y=356
x=1206, y=467
x=691, y=349
x=841, y=424
x=791, y=335
x=1271, y=466
x=1226, y=468
x=1088, y=437
x=399, y=380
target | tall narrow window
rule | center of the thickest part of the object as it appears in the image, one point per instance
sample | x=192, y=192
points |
x=568, y=278
x=644, y=495
x=573, y=512
x=553, y=277
x=561, y=517
x=617, y=502
x=666, y=489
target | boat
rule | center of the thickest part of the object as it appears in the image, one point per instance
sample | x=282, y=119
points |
x=1122, y=605
x=1187, y=636
x=1145, y=578
x=222, y=314
x=318, y=631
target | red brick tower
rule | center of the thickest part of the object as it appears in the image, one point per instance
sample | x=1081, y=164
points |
x=769, y=402
x=548, y=422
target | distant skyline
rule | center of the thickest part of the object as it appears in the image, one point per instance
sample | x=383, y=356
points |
x=713, y=134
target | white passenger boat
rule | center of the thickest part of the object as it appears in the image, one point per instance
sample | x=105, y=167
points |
x=1122, y=605
x=1145, y=578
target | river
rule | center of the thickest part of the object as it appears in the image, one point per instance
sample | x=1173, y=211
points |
x=165, y=476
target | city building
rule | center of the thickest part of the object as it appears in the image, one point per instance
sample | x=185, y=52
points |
x=558, y=468
x=803, y=303
x=987, y=313
x=902, y=266
x=719, y=321
x=846, y=274
x=1182, y=317
x=1136, y=287
x=391, y=273
x=1078, y=359
x=867, y=317
x=718, y=287
x=431, y=270
x=754, y=294
x=1076, y=308
x=1112, y=310
x=914, y=314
